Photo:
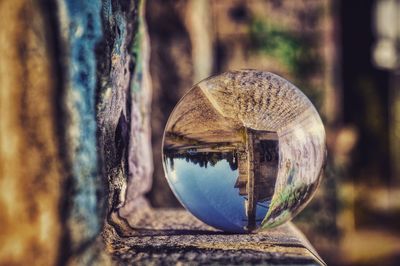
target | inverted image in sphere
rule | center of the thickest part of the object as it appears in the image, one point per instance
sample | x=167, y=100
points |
x=244, y=150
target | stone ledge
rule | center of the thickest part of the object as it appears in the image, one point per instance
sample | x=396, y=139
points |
x=175, y=237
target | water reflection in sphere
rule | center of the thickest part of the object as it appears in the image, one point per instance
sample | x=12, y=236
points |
x=244, y=150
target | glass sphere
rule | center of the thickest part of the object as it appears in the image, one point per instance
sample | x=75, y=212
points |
x=244, y=150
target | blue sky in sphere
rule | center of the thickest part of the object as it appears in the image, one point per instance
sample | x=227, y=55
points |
x=209, y=193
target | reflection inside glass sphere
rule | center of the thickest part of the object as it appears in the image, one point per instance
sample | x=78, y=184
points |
x=244, y=150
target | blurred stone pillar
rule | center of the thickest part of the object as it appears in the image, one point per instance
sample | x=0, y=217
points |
x=171, y=68
x=199, y=22
x=386, y=55
x=182, y=54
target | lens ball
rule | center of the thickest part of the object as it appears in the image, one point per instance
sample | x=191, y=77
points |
x=244, y=151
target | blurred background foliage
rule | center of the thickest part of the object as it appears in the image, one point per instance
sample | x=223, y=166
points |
x=343, y=56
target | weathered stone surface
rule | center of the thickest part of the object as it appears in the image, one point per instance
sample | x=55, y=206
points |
x=71, y=80
x=31, y=167
x=108, y=100
x=140, y=161
x=80, y=31
x=166, y=237
x=123, y=106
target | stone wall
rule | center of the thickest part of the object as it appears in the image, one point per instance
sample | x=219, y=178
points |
x=74, y=127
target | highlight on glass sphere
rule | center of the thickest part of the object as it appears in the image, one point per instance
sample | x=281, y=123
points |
x=244, y=151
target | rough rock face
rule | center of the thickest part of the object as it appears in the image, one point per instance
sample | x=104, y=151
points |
x=73, y=125
x=123, y=108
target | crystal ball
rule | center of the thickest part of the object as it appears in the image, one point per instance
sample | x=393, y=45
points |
x=244, y=151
